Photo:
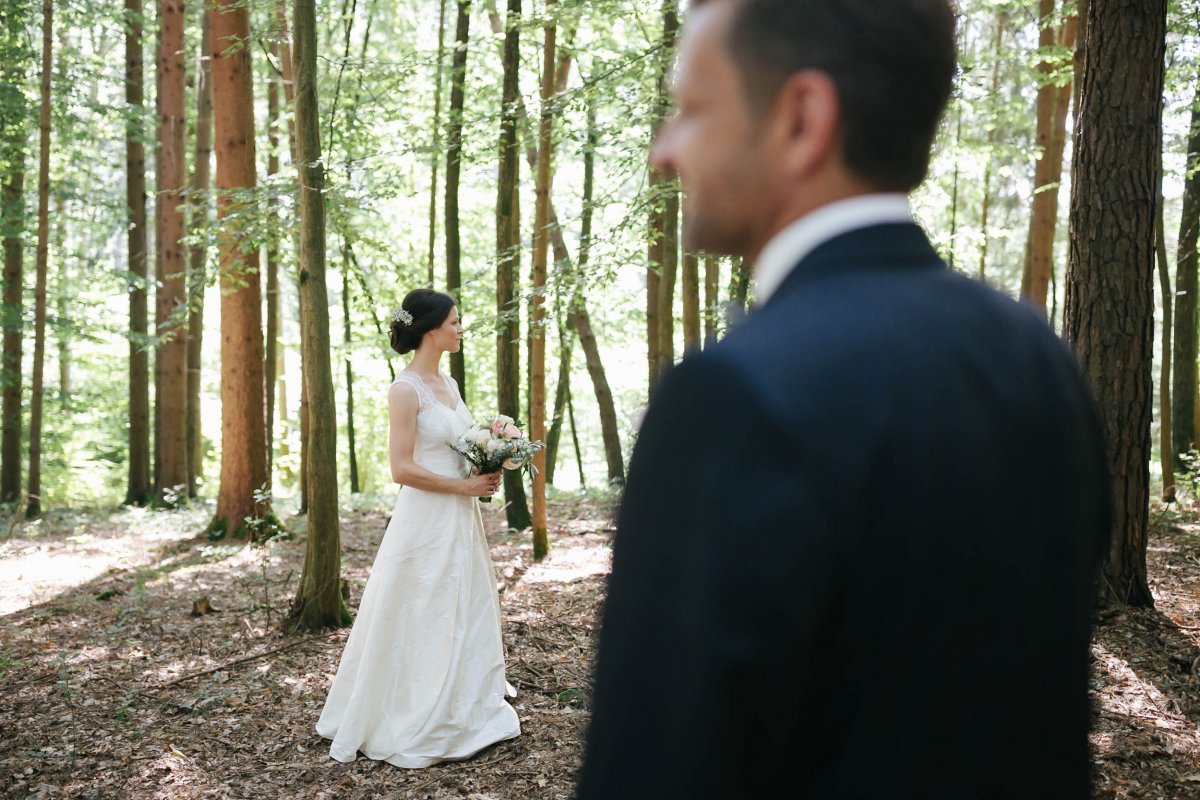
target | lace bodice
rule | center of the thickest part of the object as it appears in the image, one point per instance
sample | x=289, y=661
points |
x=438, y=426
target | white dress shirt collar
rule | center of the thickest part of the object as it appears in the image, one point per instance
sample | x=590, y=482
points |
x=789, y=247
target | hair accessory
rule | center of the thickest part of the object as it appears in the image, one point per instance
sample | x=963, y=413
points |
x=400, y=315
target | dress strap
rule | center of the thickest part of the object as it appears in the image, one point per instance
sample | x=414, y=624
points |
x=424, y=396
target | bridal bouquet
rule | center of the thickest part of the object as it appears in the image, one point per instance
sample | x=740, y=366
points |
x=497, y=444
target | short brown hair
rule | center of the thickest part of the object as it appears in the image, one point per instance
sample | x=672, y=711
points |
x=892, y=61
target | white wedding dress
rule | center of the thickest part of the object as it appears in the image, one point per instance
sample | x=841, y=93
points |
x=422, y=677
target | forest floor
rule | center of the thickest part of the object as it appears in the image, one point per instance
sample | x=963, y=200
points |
x=111, y=688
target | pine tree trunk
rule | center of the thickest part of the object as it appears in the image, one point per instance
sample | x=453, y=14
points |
x=712, y=285
x=272, y=357
x=436, y=153
x=318, y=602
x=1109, y=307
x=1166, y=459
x=1043, y=218
x=458, y=78
x=691, y=302
x=200, y=186
x=347, y=340
x=541, y=253
x=508, y=244
x=1183, y=387
x=170, y=363
x=33, y=507
x=997, y=50
x=664, y=225
x=138, y=490
x=241, y=509
x=63, y=290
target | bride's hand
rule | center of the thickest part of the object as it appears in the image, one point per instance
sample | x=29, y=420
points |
x=481, y=485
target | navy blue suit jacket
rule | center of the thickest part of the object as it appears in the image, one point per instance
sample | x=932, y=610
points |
x=856, y=553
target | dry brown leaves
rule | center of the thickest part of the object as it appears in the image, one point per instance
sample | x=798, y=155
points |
x=109, y=687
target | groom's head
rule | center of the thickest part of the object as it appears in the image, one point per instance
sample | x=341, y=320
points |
x=786, y=105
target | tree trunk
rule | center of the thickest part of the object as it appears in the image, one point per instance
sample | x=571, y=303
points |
x=691, y=302
x=575, y=440
x=1166, y=459
x=197, y=271
x=318, y=602
x=1043, y=219
x=272, y=357
x=997, y=51
x=508, y=244
x=591, y=350
x=739, y=287
x=664, y=225
x=170, y=364
x=242, y=508
x=33, y=507
x=1109, y=307
x=63, y=289
x=138, y=490
x=458, y=78
x=1183, y=388
x=541, y=252
x=436, y=152
x=712, y=284
x=347, y=340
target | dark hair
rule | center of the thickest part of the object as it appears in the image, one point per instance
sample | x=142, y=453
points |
x=423, y=310
x=892, y=61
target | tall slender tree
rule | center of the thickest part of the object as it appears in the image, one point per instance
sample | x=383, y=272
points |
x=663, y=247
x=199, y=189
x=171, y=466
x=508, y=243
x=1166, y=460
x=541, y=253
x=241, y=505
x=435, y=155
x=1183, y=386
x=1109, y=308
x=272, y=355
x=712, y=286
x=138, y=489
x=33, y=507
x=454, y=148
x=318, y=603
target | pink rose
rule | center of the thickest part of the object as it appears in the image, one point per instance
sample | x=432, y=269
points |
x=512, y=432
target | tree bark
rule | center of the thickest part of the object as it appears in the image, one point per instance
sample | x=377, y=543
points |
x=242, y=510
x=272, y=357
x=458, y=79
x=63, y=289
x=997, y=50
x=347, y=341
x=138, y=489
x=318, y=602
x=1109, y=306
x=691, y=302
x=541, y=253
x=712, y=284
x=436, y=152
x=1051, y=135
x=1183, y=388
x=1166, y=459
x=200, y=186
x=171, y=467
x=663, y=246
x=508, y=245
x=33, y=506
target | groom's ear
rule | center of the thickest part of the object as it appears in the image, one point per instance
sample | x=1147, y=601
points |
x=805, y=121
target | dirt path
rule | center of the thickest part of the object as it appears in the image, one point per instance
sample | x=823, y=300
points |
x=110, y=688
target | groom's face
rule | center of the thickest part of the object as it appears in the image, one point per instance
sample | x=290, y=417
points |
x=713, y=142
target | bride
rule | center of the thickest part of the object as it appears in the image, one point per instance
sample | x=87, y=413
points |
x=422, y=677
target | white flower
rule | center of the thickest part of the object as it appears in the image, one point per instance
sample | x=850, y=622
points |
x=504, y=419
x=482, y=437
x=493, y=445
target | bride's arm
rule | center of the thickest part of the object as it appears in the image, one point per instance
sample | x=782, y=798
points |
x=402, y=437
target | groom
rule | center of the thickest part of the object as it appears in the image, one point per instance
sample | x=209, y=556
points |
x=857, y=548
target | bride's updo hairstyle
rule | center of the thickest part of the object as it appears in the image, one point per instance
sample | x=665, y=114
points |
x=422, y=311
